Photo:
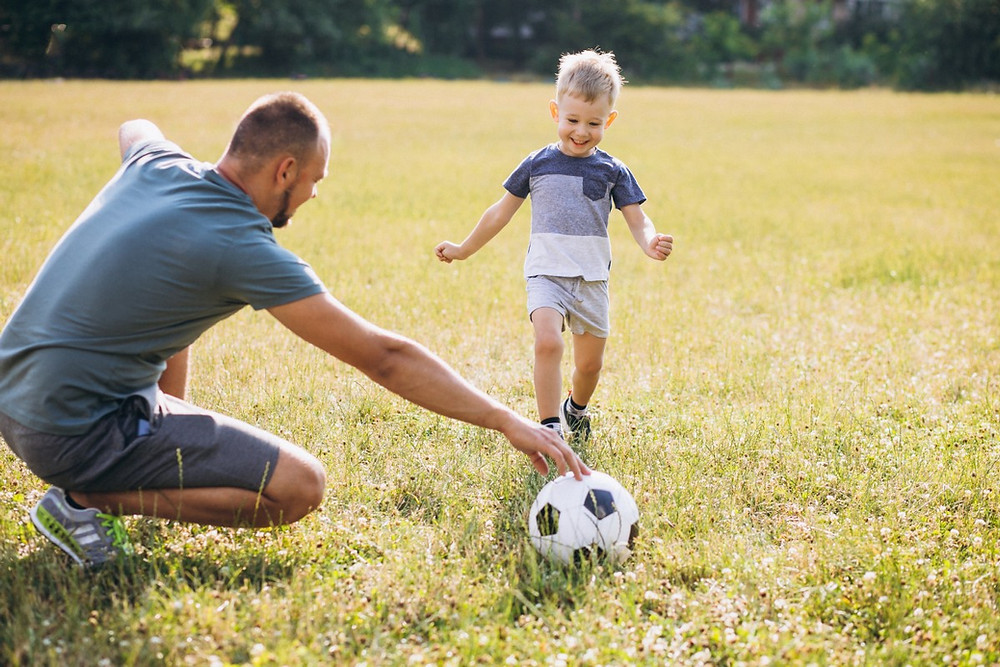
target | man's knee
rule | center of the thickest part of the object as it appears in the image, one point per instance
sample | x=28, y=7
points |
x=312, y=484
x=297, y=486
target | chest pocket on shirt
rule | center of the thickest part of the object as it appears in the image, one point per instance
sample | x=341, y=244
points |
x=595, y=189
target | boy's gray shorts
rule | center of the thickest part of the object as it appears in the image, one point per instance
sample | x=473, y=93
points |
x=171, y=445
x=584, y=305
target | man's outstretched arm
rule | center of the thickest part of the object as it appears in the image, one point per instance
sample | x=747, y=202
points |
x=407, y=368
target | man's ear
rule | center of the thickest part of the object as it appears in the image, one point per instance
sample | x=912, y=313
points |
x=554, y=110
x=287, y=171
x=611, y=119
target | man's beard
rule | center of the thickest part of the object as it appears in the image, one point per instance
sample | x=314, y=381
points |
x=281, y=218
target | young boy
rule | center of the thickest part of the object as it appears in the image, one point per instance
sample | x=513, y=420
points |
x=572, y=186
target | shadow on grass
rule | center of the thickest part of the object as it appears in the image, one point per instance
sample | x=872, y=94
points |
x=52, y=611
x=48, y=576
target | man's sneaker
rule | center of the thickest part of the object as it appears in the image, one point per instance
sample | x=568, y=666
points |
x=90, y=537
x=577, y=425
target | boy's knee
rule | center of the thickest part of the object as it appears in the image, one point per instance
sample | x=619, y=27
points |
x=548, y=345
x=590, y=367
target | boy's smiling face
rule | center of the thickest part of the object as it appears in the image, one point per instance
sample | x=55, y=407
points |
x=581, y=123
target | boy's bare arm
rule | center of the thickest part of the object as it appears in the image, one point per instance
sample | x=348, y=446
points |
x=494, y=219
x=657, y=246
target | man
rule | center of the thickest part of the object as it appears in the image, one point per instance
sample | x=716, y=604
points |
x=93, y=363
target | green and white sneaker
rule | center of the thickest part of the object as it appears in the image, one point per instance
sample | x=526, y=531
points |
x=90, y=537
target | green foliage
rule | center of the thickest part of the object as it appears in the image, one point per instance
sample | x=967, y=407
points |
x=722, y=42
x=803, y=41
x=329, y=37
x=116, y=39
x=948, y=44
x=914, y=44
x=646, y=37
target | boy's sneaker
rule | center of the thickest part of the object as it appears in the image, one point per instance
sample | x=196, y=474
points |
x=574, y=423
x=90, y=537
x=555, y=426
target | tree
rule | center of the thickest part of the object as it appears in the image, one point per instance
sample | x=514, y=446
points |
x=648, y=38
x=949, y=44
x=109, y=38
x=344, y=37
x=722, y=42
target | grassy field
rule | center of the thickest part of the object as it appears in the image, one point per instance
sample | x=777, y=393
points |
x=804, y=400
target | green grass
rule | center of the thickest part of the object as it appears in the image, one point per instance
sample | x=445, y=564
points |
x=804, y=400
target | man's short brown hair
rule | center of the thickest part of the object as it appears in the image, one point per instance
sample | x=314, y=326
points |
x=277, y=124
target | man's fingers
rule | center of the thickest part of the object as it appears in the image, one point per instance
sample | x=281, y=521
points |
x=541, y=465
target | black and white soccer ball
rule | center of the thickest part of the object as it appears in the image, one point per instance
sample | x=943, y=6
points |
x=573, y=521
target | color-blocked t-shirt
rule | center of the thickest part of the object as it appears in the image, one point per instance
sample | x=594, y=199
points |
x=571, y=200
x=167, y=249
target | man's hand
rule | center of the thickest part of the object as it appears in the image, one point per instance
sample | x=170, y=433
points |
x=538, y=442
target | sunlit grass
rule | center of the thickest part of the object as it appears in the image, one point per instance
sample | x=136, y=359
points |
x=804, y=399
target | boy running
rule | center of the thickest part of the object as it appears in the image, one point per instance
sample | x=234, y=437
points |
x=573, y=186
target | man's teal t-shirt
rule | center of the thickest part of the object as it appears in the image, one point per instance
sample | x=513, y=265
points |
x=168, y=248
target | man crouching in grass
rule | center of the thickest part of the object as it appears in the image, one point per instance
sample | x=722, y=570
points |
x=93, y=362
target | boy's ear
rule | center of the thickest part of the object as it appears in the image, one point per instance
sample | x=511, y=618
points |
x=611, y=119
x=554, y=110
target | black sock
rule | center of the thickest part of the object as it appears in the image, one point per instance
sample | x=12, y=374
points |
x=551, y=421
x=72, y=503
x=578, y=408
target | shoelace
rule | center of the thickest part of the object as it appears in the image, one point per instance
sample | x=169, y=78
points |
x=119, y=537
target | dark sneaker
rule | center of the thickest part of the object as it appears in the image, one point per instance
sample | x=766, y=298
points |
x=577, y=426
x=89, y=537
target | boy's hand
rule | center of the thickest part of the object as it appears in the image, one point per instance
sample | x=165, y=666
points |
x=660, y=246
x=447, y=251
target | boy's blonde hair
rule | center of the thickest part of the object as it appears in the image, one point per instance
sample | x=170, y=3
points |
x=589, y=74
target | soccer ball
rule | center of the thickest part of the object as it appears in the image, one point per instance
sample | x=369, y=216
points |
x=571, y=521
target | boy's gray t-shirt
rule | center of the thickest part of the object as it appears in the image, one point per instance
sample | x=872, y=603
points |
x=571, y=200
x=168, y=248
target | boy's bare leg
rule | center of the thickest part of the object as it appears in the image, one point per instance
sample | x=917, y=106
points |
x=295, y=489
x=588, y=359
x=548, y=358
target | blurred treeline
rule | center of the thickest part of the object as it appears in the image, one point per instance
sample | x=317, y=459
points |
x=908, y=44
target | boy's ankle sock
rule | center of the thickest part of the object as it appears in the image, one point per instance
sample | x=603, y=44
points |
x=553, y=423
x=574, y=408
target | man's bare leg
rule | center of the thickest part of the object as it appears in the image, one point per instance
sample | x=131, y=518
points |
x=294, y=490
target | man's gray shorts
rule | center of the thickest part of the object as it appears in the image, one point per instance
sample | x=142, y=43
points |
x=171, y=445
x=584, y=305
